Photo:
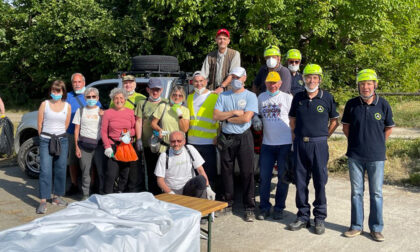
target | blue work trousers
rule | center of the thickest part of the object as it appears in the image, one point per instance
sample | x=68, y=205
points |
x=311, y=159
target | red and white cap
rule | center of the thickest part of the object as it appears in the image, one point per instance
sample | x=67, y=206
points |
x=223, y=30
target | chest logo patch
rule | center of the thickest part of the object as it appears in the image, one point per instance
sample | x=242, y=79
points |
x=242, y=104
x=320, y=109
x=300, y=82
x=378, y=116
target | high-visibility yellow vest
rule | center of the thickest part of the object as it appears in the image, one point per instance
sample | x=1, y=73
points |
x=202, y=124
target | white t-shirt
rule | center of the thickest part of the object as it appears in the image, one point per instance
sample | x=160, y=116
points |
x=91, y=122
x=179, y=168
x=274, y=111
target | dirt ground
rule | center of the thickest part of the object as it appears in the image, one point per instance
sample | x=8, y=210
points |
x=19, y=198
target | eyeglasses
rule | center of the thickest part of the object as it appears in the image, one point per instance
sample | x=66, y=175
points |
x=177, y=95
x=176, y=141
x=91, y=96
x=293, y=62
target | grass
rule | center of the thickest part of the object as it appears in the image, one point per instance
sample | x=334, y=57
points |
x=402, y=166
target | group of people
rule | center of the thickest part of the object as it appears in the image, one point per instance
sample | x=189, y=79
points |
x=171, y=146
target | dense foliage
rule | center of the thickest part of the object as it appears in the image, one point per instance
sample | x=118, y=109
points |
x=43, y=40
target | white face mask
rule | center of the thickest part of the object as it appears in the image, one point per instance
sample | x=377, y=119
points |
x=311, y=90
x=236, y=84
x=271, y=62
x=293, y=68
x=199, y=91
x=153, y=99
x=131, y=92
x=177, y=152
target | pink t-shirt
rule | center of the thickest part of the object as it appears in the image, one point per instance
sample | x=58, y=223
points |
x=114, y=122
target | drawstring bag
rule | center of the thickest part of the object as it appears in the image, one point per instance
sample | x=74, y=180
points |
x=125, y=153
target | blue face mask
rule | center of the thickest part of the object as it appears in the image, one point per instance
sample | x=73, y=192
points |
x=173, y=103
x=153, y=99
x=236, y=84
x=177, y=152
x=80, y=91
x=56, y=97
x=274, y=94
x=91, y=102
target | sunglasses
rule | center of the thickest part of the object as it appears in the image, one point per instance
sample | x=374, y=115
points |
x=176, y=141
x=177, y=95
x=91, y=96
x=293, y=61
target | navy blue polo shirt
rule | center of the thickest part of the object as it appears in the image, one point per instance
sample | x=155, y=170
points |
x=366, y=140
x=297, y=84
x=286, y=78
x=313, y=115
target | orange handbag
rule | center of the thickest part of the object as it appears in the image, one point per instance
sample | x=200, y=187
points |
x=125, y=153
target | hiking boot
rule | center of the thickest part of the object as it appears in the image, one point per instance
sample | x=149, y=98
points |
x=249, y=216
x=319, y=228
x=263, y=214
x=377, y=236
x=42, y=208
x=58, y=201
x=298, y=224
x=278, y=214
x=73, y=190
x=352, y=233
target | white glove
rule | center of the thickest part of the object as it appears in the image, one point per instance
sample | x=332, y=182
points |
x=210, y=194
x=171, y=192
x=179, y=112
x=257, y=123
x=164, y=133
x=109, y=152
x=126, y=138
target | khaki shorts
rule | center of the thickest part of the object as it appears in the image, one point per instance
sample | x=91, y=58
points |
x=73, y=160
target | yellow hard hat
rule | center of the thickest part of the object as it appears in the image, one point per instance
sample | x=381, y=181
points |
x=273, y=77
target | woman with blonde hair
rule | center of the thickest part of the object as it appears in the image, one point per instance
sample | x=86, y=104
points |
x=171, y=117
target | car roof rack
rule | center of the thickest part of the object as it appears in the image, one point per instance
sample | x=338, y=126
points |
x=148, y=74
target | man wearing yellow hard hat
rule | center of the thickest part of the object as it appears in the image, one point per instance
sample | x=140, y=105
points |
x=367, y=124
x=272, y=58
x=273, y=108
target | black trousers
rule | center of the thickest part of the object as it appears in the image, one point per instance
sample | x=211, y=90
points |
x=151, y=160
x=195, y=187
x=242, y=150
x=116, y=169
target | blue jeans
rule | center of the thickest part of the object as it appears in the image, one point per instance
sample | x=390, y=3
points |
x=269, y=155
x=375, y=171
x=52, y=166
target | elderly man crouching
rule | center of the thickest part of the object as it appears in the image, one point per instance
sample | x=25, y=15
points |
x=177, y=167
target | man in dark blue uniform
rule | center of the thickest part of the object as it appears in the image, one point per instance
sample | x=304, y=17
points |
x=313, y=118
x=367, y=124
x=294, y=58
x=272, y=57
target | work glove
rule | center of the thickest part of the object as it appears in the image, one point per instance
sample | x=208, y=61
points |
x=257, y=123
x=109, y=152
x=177, y=109
x=139, y=145
x=125, y=137
x=210, y=194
